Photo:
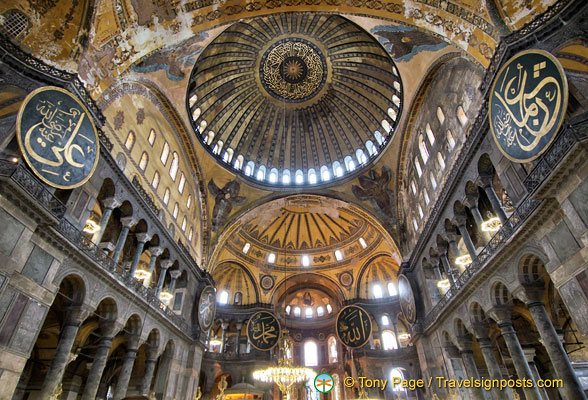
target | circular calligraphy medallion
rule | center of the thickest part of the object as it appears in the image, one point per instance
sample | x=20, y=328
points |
x=206, y=308
x=57, y=137
x=293, y=70
x=406, y=299
x=354, y=326
x=528, y=102
x=263, y=330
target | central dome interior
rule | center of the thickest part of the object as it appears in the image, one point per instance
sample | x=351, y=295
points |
x=294, y=99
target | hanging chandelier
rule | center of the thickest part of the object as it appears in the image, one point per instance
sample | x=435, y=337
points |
x=285, y=375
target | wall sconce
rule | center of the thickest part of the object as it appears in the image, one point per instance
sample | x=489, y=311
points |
x=464, y=261
x=492, y=225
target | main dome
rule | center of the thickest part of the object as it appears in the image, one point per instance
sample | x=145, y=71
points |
x=294, y=99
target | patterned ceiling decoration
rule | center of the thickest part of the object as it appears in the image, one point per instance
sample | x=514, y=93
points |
x=294, y=99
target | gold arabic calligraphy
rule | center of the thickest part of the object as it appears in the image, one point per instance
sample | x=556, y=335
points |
x=526, y=112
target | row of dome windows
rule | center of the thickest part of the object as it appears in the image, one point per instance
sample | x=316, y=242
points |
x=173, y=172
x=304, y=259
x=309, y=312
x=426, y=155
x=324, y=174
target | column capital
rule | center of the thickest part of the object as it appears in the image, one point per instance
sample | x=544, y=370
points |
x=143, y=237
x=165, y=264
x=129, y=222
x=501, y=314
x=111, y=202
x=155, y=251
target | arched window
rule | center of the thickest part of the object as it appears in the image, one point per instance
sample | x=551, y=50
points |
x=189, y=202
x=441, y=160
x=440, y=115
x=360, y=155
x=310, y=354
x=297, y=311
x=417, y=166
x=337, y=169
x=261, y=173
x=385, y=320
x=249, y=168
x=377, y=291
x=392, y=289
x=173, y=169
x=166, y=196
x=223, y=298
x=273, y=175
x=396, y=375
x=349, y=164
x=389, y=341
x=430, y=134
x=450, y=140
x=217, y=147
x=332, y=345
x=144, y=161
x=320, y=311
x=152, y=136
x=155, y=181
x=311, y=176
x=228, y=155
x=325, y=174
x=423, y=149
x=433, y=181
x=176, y=210
x=299, y=177
x=130, y=142
x=338, y=255
x=238, y=298
x=286, y=177
x=182, y=183
x=239, y=162
x=461, y=116
x=164, y=153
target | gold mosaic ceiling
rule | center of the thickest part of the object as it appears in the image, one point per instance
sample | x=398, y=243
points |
x=306, y=94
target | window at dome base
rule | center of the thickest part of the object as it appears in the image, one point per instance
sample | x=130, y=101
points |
x=308, y=133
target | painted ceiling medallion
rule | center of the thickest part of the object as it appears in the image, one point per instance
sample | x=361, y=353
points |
x=293, y=70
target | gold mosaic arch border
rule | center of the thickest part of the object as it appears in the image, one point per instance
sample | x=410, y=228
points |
x=237, y=219
x=151, y=92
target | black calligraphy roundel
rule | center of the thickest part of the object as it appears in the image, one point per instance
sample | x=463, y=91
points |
x=527, y=103
x=406, y=299
x=206, y=308
x=57, y=137
x=263, y=330
x=354, y=326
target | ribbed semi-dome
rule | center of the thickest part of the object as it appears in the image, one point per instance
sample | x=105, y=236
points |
x=294, y=99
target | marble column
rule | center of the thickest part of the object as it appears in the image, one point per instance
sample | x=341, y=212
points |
x=150, y=361
x=502, y=315
x=486, y=181
x=107, y=330
x=472, y=202
x=127, y=224
x=142, y=238
x=75, y=315
x=165, y=264
x=239, y=325
x=481, y=331
x=124, y=375
x=109, y=205
x=224, y=327
x=460, y=221
x=572, y=389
